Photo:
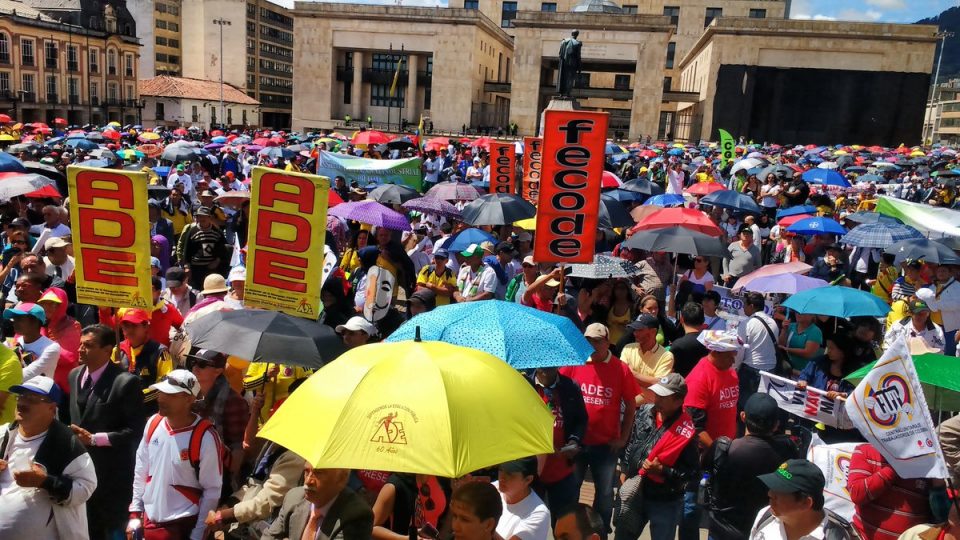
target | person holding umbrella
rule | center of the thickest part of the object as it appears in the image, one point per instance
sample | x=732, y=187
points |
x=744, y=257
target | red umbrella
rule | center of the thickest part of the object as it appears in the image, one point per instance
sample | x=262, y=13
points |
x=648, y=154
x=263, y=141
x=111, y=134
x=370, y=137
x=5, y=119
x=43, y=130
x=610, y=180
x=44, y=193
x=40, y=125
x=216, y=133
x=689, y=218
x=482, y=142
x=790, y=220
x=705, y=188
x=438, y=141
x=180, y=132
x=464, y=140
x=59, y=122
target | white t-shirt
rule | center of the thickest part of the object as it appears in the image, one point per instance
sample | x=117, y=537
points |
x=528, y=519
x=46, y=354
x=472, y=283
x=769, y=192
x=25, y=511
x=774, y=530
x=674, y=182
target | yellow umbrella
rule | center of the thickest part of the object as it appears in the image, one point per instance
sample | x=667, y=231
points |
x=149, y=136
x=529, y=224
x=917, y=153
x=114, y=124
x=7, y=137
x=415, y=407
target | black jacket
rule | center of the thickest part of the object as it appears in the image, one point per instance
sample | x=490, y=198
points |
x=572, y=409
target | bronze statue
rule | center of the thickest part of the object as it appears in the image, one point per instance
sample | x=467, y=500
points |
x=569, y=64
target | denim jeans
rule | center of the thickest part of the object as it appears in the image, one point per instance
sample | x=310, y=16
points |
x=663, y=517
x=690, y=521
x=602, y=462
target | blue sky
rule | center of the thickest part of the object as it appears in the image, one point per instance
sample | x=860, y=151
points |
x=900, y=11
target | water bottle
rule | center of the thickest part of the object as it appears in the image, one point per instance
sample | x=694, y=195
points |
x=702, y=498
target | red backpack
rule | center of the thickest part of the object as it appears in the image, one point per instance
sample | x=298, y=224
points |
x=196, y=438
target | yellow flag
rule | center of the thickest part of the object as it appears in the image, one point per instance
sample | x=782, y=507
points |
x=396, y=77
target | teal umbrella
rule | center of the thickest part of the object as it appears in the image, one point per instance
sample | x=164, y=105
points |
x=939, y=375
x=843, y=302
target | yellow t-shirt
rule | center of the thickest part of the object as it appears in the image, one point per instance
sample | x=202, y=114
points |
x=257, y=380
x=179, y=220
x=427, y=277
x=657, y=362
x=11, y=374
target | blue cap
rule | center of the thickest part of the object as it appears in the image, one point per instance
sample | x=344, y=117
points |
x=26, y=308
x=441, y=253
x=40, y=385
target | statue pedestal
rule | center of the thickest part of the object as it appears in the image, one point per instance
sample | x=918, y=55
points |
x=558, y=103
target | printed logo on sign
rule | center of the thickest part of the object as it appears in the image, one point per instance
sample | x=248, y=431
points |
x=891, y=398
x=137, y=301
x=305, y=307
x=842, y=464
x=389, y=431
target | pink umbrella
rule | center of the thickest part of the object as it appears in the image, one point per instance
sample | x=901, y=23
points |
x=784, y=284
x=772, y=270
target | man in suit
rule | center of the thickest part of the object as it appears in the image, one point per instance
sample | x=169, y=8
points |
x=323, y=509
x=107, y=412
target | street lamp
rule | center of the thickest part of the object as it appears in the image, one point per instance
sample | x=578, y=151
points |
x=221, y=22
x=933, y=111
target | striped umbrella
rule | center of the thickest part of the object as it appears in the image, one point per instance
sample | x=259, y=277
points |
x=879, y=235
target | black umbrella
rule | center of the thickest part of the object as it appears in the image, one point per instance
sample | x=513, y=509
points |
x=780, y=171
x=612, y=214
x=403, y=143
x=923, y=249
x=179, y=152
x=393, y=194
x=266, y=336
x=497, y=209
x=677, y=240
x=642, y=185
x=158, y=192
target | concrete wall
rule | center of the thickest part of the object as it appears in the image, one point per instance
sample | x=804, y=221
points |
x=179, y=112
x=201, y=40
x=142, y=11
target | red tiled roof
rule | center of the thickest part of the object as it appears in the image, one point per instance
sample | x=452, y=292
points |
x=186, y=88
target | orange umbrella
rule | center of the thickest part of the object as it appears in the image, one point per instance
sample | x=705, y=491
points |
x=705, y=188
x=689, y=218
x=111, y=134
x=150, y=150
x=5, y=119
x=370, y=137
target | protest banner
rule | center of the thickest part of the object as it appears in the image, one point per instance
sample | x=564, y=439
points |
x=810, y=403
x=532, y=163
x=834, y=461
x=732, y=302
x=503, y=164
x=366, y=171
x=285, y=255
x=728, y=148
x=111, y=237
x=573, y=156
x=890, y=410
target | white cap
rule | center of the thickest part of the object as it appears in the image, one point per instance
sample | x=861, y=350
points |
x=237, y=273
x=358, y=323
x=178, y=381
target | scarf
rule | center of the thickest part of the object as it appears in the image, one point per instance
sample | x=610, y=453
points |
x=671, y=444
x=493, y=262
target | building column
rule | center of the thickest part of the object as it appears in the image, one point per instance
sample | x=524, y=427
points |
x=647, y=89
x=356, y=89
x=412, y=110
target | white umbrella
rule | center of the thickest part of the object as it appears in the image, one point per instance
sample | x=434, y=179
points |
x=744, y=164
x=827, y=165
x=21, y=184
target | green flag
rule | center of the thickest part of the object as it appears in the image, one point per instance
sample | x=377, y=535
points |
x=727, y=146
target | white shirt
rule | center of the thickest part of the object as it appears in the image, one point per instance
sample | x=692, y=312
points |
x=932, y=337
x=472, y=283
x=46, y=353
x=25, y=510
x=947, y=303
x=674, y=182
x=65, y=269
x=165, y=461
x=528, y=519
x=759, y=351
x=174, y=178
x=59, y=231
x=769, y=193
x=431, y=169
x=774, y=529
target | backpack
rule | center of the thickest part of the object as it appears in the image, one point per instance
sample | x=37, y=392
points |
x=196, y=438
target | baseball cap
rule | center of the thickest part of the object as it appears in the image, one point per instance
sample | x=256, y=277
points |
x=597, y=331
x=834, y=247
x=203, y=211
x=207, y=193
x=441, y=253
x=795, y=475
x=745, y=229
x=672, y=384
x=524, y=237
x=135, y=316
x=762, y=411
x=175, y=276
x=358, y=323
x=154, y=262
x=526, y=466
x=472, y=249
x=528, y=261
x=210, y=358
x=426, y=297
x=50, y=296
x=55, y=243
x=645, y=320
x=26, y=309
x=178, y=381
x=917, y=306
x=505, y=247
x=40, y=385
x=488, y=246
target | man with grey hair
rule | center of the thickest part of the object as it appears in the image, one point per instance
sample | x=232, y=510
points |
x=53, y=226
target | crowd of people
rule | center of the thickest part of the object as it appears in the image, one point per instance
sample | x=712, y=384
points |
x=114, y=426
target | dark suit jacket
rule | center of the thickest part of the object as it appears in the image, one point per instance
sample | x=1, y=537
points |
x=349, y=518
x=114, y=407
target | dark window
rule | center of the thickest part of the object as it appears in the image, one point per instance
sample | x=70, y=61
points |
x=4, y=48
x=385, y=62
x=195, y=114
x=244, y=117
x=347, y=92
x=549, y=6
x=673, y=12
x=471, y=4
x=630, y=9
x=348, y=60
x=380, y=95
x=671, y=54
x=160, y=114
x=73, y=58
x=621, y=82
x=667, y=83
x=758, y=14
x=50, y=53
x=26, y=52
x=508, y=14
x=710, y=14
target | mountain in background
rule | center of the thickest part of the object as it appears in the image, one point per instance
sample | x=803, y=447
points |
x=948, y=21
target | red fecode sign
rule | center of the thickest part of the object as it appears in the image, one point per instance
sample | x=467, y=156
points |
x=573, y=148
x=502, y=165
x=532, y=164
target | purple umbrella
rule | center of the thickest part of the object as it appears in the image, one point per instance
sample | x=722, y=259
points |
x=430, y=205
x=371, y=213
x=784, y=283
x=253, y=147
x=213, y=147
x=453, y=191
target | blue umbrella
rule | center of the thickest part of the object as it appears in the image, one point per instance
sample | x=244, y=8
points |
x=879, y=235
x=82, y=144
x=732, y=200
x=817, y=225
x=796, y=210
x=9, y=163
x=665, y=199
x=624, y=195
x=524, y=337
x=97, y=163
x=162, y=171
x=219, y=140
x=841, y=302
x=464, y=238
x=53, y=142
x=675, y=152
x=827, y=177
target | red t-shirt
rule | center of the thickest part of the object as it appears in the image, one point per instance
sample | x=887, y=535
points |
x=161, y=320
x=604, y=386
x=716, y=392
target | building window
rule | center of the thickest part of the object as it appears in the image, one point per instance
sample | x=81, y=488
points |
x=671, y=54
x=73, y=90
x=161, y=24
x=213, y=115
x=162, y=41
x=630, y=9
x=758, y=14
x=94, y=93
x=50, y=53
x=385, y=62
x=195, y=114
x=112, y=92
x=471, y=4
x=710, y=14
x=28, y=86
x=621, y=82
x=229, y=117
x=159, y=112
x=128, y=65
x=26, y=52
x=5, y=82
x=173, y=27
x=4, y=48
x=549, y=6
x=131, y=93
x=667, y=83
x=507, y=14
x=244, y=116
x=380, y=95
x=111, y=62
x=94, y=59
x=73, y=58
x=674, y=13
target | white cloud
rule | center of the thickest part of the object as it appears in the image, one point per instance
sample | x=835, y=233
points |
x=808, y=17
x=870, y=15
x=888, y=4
